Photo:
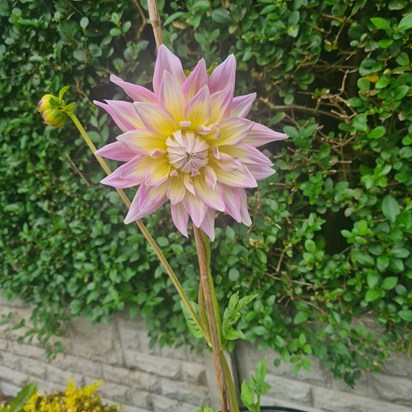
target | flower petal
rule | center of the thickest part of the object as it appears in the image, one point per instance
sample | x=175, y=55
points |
x=172, y=97
x=223, y=75
x=220, y=102
x=260, y=135
x=236, y=205
x=232, y=202
x=127, y=114
x=176, y=190
x=158, y=171
x=180, y=218
x=237, y=178
x=146, y=201
x=198, y=109
x=135, y=169
x=166, y=60
x=142, y=141
x=246, y=153
x=225, y=163
x=116, y=151
x=135, y=92
x=196, y=208
x=196, y=80
x=244, y=212
x=156, y=118
x=261, y=171
x=241, y=105
x=208, y=224
x=233, y=131
x=115, y=180
x=213, y=198
x=112, y=114
x=210, y=177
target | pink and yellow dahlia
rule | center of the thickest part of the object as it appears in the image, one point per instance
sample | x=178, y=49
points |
x=188, y=142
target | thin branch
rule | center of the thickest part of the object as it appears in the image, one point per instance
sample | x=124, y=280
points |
x=298, y=107
x=155, y=21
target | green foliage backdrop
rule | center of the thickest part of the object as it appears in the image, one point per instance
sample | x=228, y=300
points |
x=329, y=250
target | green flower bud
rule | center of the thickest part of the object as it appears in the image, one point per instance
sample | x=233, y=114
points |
x=54, y=109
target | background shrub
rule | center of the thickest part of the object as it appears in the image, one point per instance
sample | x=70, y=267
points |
x=329, y=251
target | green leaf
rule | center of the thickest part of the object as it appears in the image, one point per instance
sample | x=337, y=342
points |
x=406, y=22
x=193, y=328
x=84, y=22
x=221, y=16
x=246, y=394
x=234, y=274
x=372, y=294
x=22, y=397
x=390, y=208
x=389, y=282
x=300, y=318
x=381, y=23
x=377, y=132
x=373, y=279
x=405, y=315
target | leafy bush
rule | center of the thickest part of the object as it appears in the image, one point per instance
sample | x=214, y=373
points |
x=329, y=251
x=73, y=400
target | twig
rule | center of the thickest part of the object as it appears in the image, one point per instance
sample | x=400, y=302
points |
x=298, y=107
x=155, y=21
x=143, y=17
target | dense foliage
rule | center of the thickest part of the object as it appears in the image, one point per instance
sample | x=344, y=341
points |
x=329, y=251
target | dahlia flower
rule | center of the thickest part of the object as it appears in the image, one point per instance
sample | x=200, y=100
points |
x=187, y=141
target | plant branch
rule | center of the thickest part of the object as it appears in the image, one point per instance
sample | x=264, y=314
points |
x=144, y=231
x=155, y=21
x=214, y=335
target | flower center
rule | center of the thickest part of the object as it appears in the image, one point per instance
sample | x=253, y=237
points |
x=187, y=152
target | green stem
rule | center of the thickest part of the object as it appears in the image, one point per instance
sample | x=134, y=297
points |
x=145, y=233
x=206, y=244
x=214, y=337
x=233, y=403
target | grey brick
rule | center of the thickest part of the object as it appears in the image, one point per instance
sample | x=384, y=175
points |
x=8, y=389
x=393, y=388
x=79, y=365
x=33, y=367
x=57, y=375
x=118, y=393
x=29, y=351
x=3, y=344
x=115, y=374
x=146, y=381
x=284, y=388
x=163, y=404
x=99, y=342
x=12, y=376
x=142, y=399
x=154, y=364
x=128, y=408
x=50, y=387
x=11, y=360
x=185, y=392
x=194, y=373
x=332, y=401
x=398, y=365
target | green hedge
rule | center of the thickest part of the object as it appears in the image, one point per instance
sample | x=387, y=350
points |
x=329, y=251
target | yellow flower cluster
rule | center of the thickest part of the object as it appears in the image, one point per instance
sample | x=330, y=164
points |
x=72, y=400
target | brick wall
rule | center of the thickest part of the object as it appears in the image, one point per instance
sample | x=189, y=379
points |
x=158, y=379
